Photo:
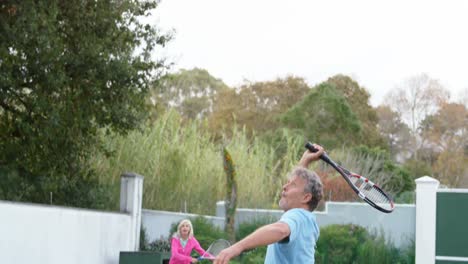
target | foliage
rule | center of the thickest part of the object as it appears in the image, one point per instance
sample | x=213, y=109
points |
x=160, y=245
x=256, y=255
x=418, y=168
x=408, y=197
x=339, y=243
x=354, y=244
x=183, y=169
x=447, y=131
x=419, y=97
x=325, y=117
x=231, y=194
x=190, y=92
x=256, y=106
x=396, y=133
x=204, y=231
x=335, y=188
x=376, y=250
x=358, y=99
x=68, y=69
x=143, y=239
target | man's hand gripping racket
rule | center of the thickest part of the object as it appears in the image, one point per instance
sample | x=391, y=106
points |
x=370, y=192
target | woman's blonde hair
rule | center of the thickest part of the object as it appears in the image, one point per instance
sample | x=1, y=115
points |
x=183, y=222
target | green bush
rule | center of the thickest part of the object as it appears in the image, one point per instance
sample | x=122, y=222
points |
x=160, y=245
x=157, y=245
x=376, y=250
x=338, y=243
x=256, y=255
x=352, y=244
x=144, y=243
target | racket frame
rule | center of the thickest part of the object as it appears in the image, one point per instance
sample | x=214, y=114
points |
x=347, y=174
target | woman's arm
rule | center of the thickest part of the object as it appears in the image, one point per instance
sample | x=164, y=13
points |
x=197, y=247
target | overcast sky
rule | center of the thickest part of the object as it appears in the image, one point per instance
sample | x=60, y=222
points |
x=377, y=43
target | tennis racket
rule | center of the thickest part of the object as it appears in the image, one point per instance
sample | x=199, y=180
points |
x=214, y=249
x=368, y=191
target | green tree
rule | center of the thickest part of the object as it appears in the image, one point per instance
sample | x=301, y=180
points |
x=447, y=131
x=358, y=99
x=325, y=117
x=67, y=70
x=190, y=92
x=257, y=106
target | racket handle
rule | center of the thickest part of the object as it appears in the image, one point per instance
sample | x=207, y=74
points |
x=323, y=157
x=310, y=147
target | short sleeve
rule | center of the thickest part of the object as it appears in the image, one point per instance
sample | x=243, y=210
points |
x=291, y=218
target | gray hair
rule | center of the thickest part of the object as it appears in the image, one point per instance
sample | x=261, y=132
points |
x=313, y=185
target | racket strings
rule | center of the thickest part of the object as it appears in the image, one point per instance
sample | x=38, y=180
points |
x=217, y=247
x=371, y=192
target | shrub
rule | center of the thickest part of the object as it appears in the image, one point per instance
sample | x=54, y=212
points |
x=353, y=244
x=376, y=250
x=338, y=243
x=160, y=245
x=256, y=255
x=144, y=244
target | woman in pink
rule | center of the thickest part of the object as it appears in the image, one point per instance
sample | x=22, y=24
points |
x=183, y=242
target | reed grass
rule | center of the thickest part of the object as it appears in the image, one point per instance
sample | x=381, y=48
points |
x=182, y=165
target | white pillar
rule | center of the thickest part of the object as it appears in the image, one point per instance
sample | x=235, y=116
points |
x=426, y=199
x=131, y=195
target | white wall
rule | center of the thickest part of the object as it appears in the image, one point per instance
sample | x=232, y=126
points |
x=34, y=233
x=398, y=227
x=56, y=235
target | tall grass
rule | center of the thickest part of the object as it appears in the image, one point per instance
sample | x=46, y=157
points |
x=183, y=167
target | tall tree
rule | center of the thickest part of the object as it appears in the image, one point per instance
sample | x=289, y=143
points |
x=68, y=69
x=257, y=106
x=358, y=99
x=324, y=116
x=396, y=133
x=417, y=98
x=190, y=92
x=447, y=131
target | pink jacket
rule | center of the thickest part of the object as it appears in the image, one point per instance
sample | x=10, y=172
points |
x=181, y=255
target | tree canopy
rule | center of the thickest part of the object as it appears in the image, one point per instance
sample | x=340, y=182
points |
x=358, y=99
x=190, y=92
x=324, y=116
x=68, y=69
x=257, y=106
